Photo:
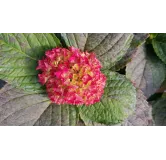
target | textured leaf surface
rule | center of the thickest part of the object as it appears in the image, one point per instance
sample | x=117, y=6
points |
x=143, y=112
x=142, y=116
x=146, y=71
x=109, y=47
x=159, y=45
x=84, y=121
x=18, y=58
x=75, y=39
x=138, y=40
x=18, y=108
x=58, y=115
x=117, y=103
x=159, y=112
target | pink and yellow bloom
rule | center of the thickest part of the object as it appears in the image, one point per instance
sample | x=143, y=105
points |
x=71, y=76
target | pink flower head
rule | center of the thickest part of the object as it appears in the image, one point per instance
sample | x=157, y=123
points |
x=71, y=76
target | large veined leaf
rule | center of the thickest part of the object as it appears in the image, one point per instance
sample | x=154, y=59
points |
x=20, y=108
x=159, y=45
x=19, y=54
x=159, y=112
x=109, y=47
x=138, y=40
x=59, y=115
x=142, y=115
x=117, y=103
x=84, y=121
x=75, y=39
x=146, y=71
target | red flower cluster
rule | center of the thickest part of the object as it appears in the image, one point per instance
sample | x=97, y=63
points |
x=71, y=76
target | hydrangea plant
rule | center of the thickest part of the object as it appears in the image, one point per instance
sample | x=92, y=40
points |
x=79, y=79
x=71, y=76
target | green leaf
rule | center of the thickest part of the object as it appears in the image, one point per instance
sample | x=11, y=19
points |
x=75, y=39
x=159, y=112
x=18, y=108
x=117, y=103
x=153, y=35
x=138, y=40
x=19, y=54
x=159, y=45
x=109, y=47
x=142, y=116
x=146, y=71
x=59, y=115
x=87, y=122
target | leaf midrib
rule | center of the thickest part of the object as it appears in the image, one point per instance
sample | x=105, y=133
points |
x=19, y=51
